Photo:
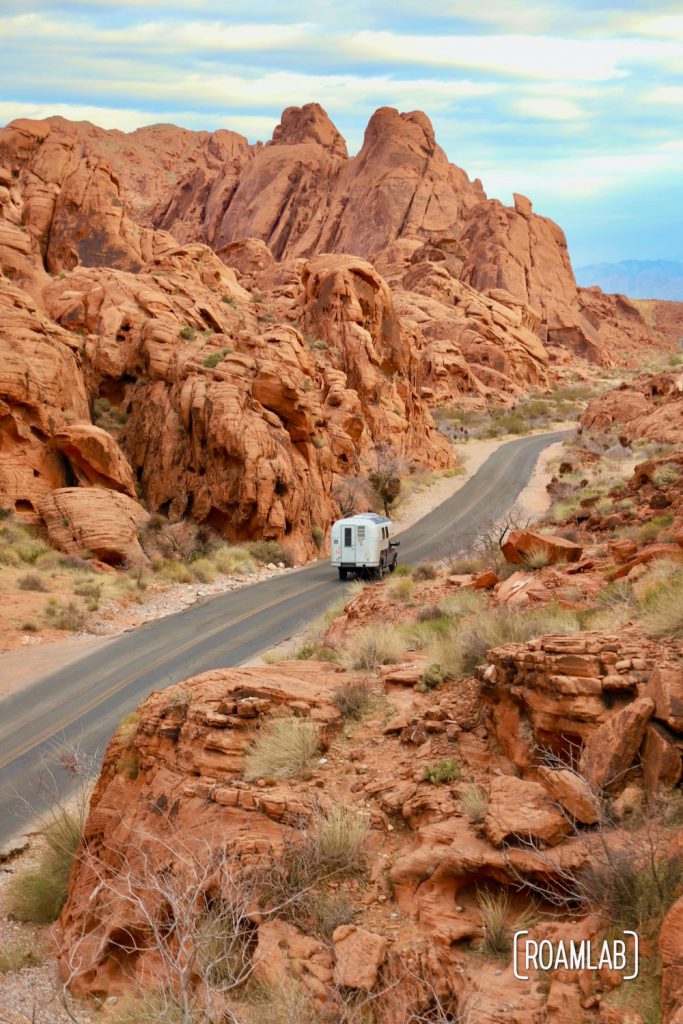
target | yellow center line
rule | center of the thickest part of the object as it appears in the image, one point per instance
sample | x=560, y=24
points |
x=56, y=727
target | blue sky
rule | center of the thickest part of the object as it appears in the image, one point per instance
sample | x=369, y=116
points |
x=577, y=104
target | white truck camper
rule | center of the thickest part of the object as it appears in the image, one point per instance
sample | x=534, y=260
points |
x=361, y=545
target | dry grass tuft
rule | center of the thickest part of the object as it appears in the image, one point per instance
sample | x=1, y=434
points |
x=283, y=748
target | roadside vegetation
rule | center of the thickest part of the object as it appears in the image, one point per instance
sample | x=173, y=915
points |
x=49, y=590
x=537, y=411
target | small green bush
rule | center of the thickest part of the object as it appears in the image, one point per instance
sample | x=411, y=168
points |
x=215, y=358
x=267, y=551
x=37, y=894
x=665, y=475
x=229, y=301
x=444, y=771
x=187, y=333
x=283, y=748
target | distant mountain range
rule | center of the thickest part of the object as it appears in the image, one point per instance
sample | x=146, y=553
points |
x=639, y=279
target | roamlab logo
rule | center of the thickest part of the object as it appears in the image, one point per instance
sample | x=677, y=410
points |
x=615, y=954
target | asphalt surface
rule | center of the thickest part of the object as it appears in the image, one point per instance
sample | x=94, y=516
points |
x=82, y=703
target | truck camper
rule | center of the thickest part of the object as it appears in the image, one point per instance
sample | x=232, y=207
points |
x=361, y=545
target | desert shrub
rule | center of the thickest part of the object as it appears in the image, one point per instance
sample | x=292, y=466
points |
x=318, y=535
x=267, y=551
x=215, y=358
x=89, y=588
x=431, y=613
x=648, y=532
x=157, y=1007
x=318, y=441
x=74, y=563
x=187, y=333
x=632, y=891
x=37, y=893
x=233, y=560
x=31, y=581
x=464, y=563
x=229, y=301
x=664, y=475
x=335, y=842
x=327, y=909
x=15, y=956
x=402, y=570
x=474, y=802
x=562, y=510
x=424, y=571
x=352, y=697
x=290, y=1002
x=203, y=569
x=444, y=771
x=283, y=748
x=127, y=728
x=30, y=626
x=68, y=615
x=494, y=908
x=174, y=572
x=459, y=651
x=402, y=589
x=375, y=645
x=661, y=607
x=432, y=677
x=537, y=558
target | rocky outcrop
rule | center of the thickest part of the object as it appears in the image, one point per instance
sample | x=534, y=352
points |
x=41, y=390
x=586, y=699
x=95, y=522
x=522, y=547
x=650, y=407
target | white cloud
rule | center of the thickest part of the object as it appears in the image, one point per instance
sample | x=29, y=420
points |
x=671, y=95
x=522, y=56
x=549, y=108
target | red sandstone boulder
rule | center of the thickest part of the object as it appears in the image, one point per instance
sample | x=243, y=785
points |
x=610, y=750
x=665, y=687
x=95, y=522
x=571, y=791
x=358, y=956
x=94, y=458
x=518, y=808
x=522, y=545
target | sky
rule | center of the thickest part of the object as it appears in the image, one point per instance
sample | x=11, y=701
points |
x=576, y=103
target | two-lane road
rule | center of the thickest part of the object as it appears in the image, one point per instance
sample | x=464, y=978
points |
x=82, y=703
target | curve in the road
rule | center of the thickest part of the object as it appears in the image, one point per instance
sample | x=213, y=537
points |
x=82, y=703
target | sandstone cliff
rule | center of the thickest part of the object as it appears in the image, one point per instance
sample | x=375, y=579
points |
x=258, y=318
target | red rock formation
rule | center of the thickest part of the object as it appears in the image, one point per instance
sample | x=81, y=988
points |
x=651, y=407
x=249, y=384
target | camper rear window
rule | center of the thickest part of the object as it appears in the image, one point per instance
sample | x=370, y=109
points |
x=348, y=536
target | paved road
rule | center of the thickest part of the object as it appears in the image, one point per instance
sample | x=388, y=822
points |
x=83, y=702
